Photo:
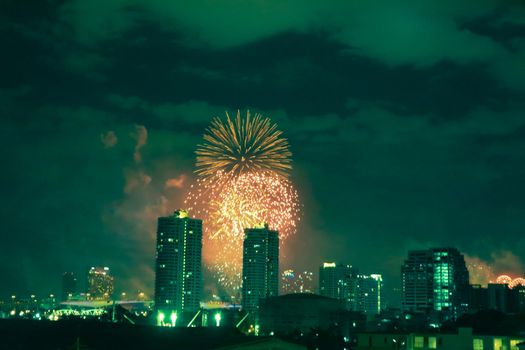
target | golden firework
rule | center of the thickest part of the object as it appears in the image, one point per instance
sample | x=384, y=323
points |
x=243, y=144
x=243, y=166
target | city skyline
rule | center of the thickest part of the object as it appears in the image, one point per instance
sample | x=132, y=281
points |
x=397, y=145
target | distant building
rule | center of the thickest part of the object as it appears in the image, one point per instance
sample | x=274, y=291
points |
x=178, y=271
x=260, y=266
x=478, y=298
x=337, y=281
x=362, y=293
x=69, y=285
x=519, y=297
x=297, y=282
x=435, y=281
x=497, y=296
x=100, y=283
x=368, y=294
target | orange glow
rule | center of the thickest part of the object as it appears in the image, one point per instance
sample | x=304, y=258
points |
x=229, y=204
x=243, y=166
x=512, y=282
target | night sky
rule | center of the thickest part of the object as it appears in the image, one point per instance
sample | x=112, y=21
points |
x=406, y=120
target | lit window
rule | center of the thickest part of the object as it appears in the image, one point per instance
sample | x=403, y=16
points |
x=477, y=344
x=419, y=342
x=497, y=343
x=432, y=344
x=514, y=343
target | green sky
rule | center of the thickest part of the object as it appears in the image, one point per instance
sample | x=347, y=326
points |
x=406, y=120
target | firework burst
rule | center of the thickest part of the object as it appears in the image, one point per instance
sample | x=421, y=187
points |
x=512, y=282
x=243, y=166
x=243, y=144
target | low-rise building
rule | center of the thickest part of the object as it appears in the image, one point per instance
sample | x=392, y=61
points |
x=304, y=312
x=463, y=339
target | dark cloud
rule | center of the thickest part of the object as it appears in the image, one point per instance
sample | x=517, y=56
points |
x=405, y=120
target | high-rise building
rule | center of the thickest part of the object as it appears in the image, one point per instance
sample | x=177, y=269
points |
x=339, y=282
x=478, y=298
x=69, y=285
x=100, y=283
x=293, y=282
x=368, y=294
x=178, y=271
x=498, y=296
x=260, y=266
x=435, y=281
x=362, y=293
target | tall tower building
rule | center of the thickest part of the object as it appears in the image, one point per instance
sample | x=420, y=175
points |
x=435, y=281
x=100, y=283
x=260, y=266
x=69, y=285
x=178, y=272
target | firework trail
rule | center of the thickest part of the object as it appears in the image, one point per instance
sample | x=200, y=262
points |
x=243, y=166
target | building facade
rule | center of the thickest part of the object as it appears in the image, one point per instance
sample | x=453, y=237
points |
x=100, y=283
x=69, y=285
x=178, y=271
x=260, y=266
x=462, y=339
x=293, y=282
x=435, y=281
x=369, y=294
x=362, y=293
x=337, y=281
x=499, y=297
x=305, y=312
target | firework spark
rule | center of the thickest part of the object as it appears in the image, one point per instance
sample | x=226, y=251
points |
x=243, y=168
x=243, y=144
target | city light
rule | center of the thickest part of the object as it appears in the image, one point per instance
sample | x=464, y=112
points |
x=160, y=319
x=173, y=318
x=218, y=319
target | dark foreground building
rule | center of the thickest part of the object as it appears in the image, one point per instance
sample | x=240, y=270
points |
x=462, y=338
x=306, y=312
x=93, y=335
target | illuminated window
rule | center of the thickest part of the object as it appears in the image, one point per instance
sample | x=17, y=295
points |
x=514, y=343
x=432, y=344
x=477, y=344
x=497, y=343
x=419, y=342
